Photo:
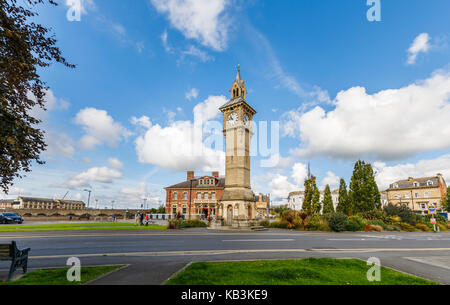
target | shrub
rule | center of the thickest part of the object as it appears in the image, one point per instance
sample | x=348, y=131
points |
x=175, y=224
x=337, y=222
x=373, y=228
x=279, y=224
x=373, y=215
x=422, y=227
x=406, y=227
x=442, y=227
x=448, y=226
x=264, y=223
x=353, y=225
x=402, y=211
x=377, y=222
x=292, y=218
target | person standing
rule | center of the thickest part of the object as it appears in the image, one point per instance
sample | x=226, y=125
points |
x=146, y=220
x=136, y=218
x=141, y=219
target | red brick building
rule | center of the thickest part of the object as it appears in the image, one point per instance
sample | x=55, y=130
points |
x=195, y=196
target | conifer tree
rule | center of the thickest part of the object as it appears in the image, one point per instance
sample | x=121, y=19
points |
x=327, y=201
x=364, y=195
x=343, y=202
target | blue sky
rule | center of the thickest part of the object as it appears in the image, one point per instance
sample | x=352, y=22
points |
x=341, y=87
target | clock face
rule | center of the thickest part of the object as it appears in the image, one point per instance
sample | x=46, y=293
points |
x=246, y=120
x=232, y=119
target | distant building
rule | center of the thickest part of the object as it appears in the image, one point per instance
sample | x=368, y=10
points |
x=295, y=199
x=196, y=195
x=418, y=193
x=262, y=205
x=41, y=204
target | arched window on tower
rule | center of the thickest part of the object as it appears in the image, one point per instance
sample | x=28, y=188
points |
x=237, y=92
x=234, y=93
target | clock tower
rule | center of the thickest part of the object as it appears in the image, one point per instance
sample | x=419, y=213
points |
x=237, y=206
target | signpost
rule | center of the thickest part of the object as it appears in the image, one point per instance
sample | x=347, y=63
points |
x=432, y=210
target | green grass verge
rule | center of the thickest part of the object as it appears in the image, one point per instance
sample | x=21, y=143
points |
x=59, y=276
x=309, y=271
x=79, y=227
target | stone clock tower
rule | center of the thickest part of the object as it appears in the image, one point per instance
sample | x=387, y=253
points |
x=237, y=206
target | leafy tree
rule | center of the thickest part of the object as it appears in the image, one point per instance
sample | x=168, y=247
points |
x=344, y=204
x=364, y=194
x=327, y=201
x=445, y=202
x=25, y=47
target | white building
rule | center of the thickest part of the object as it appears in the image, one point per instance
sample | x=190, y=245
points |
x=295, y=199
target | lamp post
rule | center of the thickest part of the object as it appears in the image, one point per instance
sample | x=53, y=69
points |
x=96, y=203
x=112, y=205
x=89, y=197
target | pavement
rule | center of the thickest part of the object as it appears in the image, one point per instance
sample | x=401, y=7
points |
x=153, y=257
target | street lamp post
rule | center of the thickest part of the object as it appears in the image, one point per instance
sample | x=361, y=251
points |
x=112, y=205
x=96, y=203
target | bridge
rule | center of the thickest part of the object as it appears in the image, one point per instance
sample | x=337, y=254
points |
x=57, y=214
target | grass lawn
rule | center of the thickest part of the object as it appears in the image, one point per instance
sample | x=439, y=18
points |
x=79, y=227
x=309, y=271
x=59, y=276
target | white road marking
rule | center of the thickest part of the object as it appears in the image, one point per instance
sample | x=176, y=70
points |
x=250, y=240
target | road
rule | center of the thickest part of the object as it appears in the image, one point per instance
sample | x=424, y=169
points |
x=152, y=257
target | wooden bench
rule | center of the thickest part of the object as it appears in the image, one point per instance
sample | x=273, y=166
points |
x=18, y=258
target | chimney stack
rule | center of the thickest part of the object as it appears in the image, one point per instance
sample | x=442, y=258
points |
x=215, y=174
x=190, y=175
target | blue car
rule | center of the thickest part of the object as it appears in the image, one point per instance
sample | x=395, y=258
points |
x=10, y=218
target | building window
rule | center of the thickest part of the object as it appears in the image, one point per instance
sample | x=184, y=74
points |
x=426, y=195
x=206, y=196
x=429, y=183
x=184, y=210
x=423, y=206
x=199, y=195
x=213, y=195
x=416, y=184
x=174, y=210
x=395, y=185
x=398, y=196
x=175, y=195
x=407, y=196
x=185, y=196
x=416, y=195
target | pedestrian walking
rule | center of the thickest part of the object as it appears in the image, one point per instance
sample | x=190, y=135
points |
x=146, y=220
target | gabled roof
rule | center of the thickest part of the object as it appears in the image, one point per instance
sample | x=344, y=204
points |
x=409, y=183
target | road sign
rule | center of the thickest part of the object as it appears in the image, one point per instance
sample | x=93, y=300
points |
x=432, y=209
x=433, y=220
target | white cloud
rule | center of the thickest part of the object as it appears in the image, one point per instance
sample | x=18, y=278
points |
x=114, y=162
x=387, y=125
x=209, y=109
x=280, y=187
x=165, y=42
x=94, y=174
x=99, y=128
x=196, y=52
x=421, y=44
x=180, y=145
x=202, y=20
x=299, y=173
x=191, y=94
x=58, y=143
x=143, y=121
x=385, y=175
x=331, y=179
x=311, y=95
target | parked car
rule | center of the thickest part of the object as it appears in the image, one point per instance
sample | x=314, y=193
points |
x=10, y=218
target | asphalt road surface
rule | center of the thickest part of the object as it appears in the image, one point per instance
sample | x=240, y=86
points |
x=153, y=256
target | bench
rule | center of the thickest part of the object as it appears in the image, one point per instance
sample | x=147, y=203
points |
x=18, y=258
